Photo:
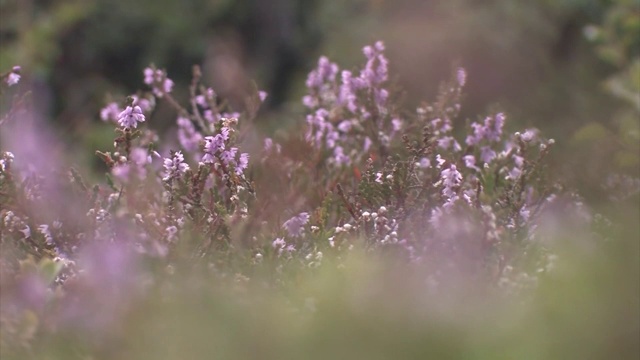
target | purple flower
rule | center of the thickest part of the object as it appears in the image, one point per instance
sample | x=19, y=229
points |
x=212, y=146
x=487, y=154
x=318, y=126
x=243, y=163
x=367, y=144
x=295, y=225
x=518, y=160
x=445, y=142
x=451, y=179
x=345, y=126
x=310, y=101
x=491, y=130
x=130, y=117
x=339, y=156
x=228, y=156
x=148, y=76
x=110, y=112
x=478, y=134
x=158, y=80
x=397, y=124
x=461, y=77
x=167, y=85
x=376, y=69
x=121, y=172
x=515, y=173
x=203, y=100
x=144, y=103
x=347, y=95
x=470, y=162
x=424, y=163
x=188, y=137
x=278, y=243
x=381, y=96
x=269, y=145
x=517, y=169
x=530, y=135
x=325, y=72
x=140, y=156
x=174, y=166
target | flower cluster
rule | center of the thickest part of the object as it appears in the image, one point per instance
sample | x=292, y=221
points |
x=158, y=80
x=218, y=151
x=350, y=115
x=174, y=166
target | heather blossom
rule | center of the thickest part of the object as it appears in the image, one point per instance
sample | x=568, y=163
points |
x=110, y=112
x=487, y=154
x=321, y=83
x=188, y=136
x=130, y=117
x=243, y=163
x=158, y=81
x=204, y=99
x=174, y=166
x=451, y=179
x=228, y=156
x=470, y=162
x=278, y=243
x=376, y=69
x=295, y=225
x=269, y=145
x=212, y=147
x=121, y=172
x=490, y=130
x=461, y=77
x=359, y=98
x=144, y=103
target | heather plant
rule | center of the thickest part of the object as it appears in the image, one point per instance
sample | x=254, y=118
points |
x=173, y=227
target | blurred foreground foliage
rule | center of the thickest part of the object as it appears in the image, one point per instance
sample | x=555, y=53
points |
x=587, y=308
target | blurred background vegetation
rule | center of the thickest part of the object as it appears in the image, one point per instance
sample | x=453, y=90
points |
x=568, y=67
